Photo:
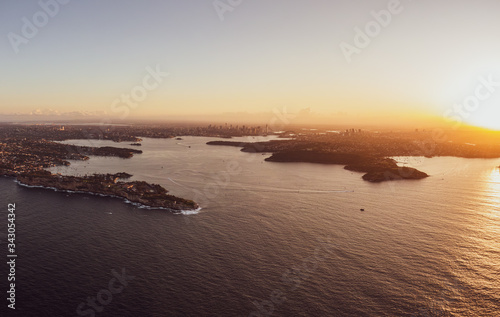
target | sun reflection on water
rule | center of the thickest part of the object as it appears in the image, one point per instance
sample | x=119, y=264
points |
x=493, y=188
x=479, y=254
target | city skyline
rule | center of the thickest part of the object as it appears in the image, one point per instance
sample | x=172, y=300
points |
x=377, y=62
x=250, y=157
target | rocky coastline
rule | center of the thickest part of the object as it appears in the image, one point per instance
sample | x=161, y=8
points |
x=138, y=192
x=27, y=152
x=376, y=169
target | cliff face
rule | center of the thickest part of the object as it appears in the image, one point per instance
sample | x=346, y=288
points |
x=384, y=169
x=394, y=174
x=106, y=184
x=314, y=157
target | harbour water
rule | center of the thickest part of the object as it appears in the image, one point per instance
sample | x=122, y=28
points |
x=272, y=239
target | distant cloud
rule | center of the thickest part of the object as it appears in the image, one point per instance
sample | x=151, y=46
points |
x=51, y=112
x=306, y=112
x=44, y=112
x=47, y=115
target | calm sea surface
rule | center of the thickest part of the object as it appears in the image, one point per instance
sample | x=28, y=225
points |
x=272, y=239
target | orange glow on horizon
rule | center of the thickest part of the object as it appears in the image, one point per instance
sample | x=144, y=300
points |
x=487, y=120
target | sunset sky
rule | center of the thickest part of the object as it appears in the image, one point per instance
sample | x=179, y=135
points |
x=252, y=58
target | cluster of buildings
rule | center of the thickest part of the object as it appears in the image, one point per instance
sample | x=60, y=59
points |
x=21, y=156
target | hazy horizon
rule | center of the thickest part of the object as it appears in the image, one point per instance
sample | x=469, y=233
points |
x=366, y=63
x=250, y=157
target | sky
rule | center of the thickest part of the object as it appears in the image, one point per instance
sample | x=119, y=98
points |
x=324, y=61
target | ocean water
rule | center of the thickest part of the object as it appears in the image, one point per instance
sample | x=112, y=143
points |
x=271, y=239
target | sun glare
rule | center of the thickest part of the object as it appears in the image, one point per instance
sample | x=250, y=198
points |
x=486, y=119
x=494, y=186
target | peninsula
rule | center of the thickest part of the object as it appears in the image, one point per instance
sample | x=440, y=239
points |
x=24, y=155
x=368, y=152
x=377, y=168
x=26, y=149
x=139, y=192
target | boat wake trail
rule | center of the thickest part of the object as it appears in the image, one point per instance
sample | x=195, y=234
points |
x=232, y=186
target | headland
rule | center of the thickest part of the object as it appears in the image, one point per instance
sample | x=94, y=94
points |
x=25, y=155
x=139, y=192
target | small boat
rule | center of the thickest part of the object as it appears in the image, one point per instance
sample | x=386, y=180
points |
x=362, y=209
